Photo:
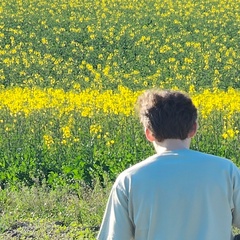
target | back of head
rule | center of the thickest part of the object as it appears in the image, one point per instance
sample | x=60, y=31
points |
x=167, y=114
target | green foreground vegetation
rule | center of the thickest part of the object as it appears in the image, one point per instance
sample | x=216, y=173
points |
x=39, y=212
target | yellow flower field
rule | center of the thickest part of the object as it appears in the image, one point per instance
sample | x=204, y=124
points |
x=71, y=71
x=90, y=102
x=102, y=44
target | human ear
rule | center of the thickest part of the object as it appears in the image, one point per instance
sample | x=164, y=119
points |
x=149, y=135
x=193, y=131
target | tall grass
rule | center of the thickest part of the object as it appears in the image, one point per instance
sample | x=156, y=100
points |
x=40, y=212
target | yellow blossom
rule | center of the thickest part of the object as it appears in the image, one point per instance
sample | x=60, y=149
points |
x=48, y=140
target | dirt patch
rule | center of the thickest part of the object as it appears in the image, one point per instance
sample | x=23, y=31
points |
x=42, y=230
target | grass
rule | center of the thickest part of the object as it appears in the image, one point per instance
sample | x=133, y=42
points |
x=39, y=212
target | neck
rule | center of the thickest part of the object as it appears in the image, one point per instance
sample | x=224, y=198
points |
x=172, y=144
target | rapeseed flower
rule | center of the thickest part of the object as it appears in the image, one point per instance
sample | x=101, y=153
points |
x=147, y=38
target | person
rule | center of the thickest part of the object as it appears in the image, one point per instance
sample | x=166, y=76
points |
x=178, y=193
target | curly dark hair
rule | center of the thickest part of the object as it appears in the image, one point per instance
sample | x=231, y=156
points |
x=167, y=114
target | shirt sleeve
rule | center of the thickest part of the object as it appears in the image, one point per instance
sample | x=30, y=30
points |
x=116, y=224
x=236, y=200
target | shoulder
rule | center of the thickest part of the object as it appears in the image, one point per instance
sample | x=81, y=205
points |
x=210, y=157
x=124, y=178
x=138, y=166
x=214, y=162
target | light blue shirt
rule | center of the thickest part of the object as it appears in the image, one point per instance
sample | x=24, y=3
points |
x=176, y=195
